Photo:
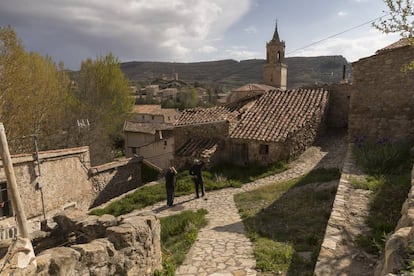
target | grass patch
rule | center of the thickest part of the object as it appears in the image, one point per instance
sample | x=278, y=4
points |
x=178, y=233
x=288, y=218
x=217, y=178
x=388, y=167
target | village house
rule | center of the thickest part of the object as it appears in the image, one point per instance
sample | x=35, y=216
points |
x=153, y=141
x=148, y=133
x=153, y=113
x=381, y=105
x=277, y=125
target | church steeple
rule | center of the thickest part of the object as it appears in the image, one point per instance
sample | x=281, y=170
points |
x=276, y=34
x=275, y=68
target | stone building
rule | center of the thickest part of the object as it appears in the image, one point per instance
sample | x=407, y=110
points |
x=63, y=179
x=275, y=68
x=153, y=113
x=276, y=125
x=381, y=105
x=153, y=141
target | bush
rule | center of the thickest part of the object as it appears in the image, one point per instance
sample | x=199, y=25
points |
x=382, y=156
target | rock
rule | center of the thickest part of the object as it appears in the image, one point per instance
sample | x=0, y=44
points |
x=395, y=252
x=60, y=261
x=67, y=220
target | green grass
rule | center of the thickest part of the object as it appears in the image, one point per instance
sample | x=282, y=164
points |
x=217, y=178
x=178, y=233
x=287, y=218
x=388, y=167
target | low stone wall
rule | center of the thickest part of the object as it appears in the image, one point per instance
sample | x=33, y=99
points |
x=128, y=245
x=339, y=255
x=113, y=179
x=397, y=250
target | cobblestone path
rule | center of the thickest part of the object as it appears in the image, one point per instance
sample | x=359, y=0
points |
x=221, y=247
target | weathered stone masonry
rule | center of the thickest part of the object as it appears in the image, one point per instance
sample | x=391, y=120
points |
x=382, y=104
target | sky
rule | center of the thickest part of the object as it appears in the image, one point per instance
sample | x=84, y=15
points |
x=193, y=30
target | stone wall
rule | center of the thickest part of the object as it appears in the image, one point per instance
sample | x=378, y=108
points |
x=397, y=248
x=127, y=245
x=67, y=182
x=338, y=109
x=219, y=130
x=113, y=179
x=63, y=180
x=382, y=104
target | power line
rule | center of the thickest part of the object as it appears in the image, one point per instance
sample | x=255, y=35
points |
x=337, y=34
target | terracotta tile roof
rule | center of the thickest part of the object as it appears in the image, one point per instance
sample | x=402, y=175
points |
x=147, y=108
x=204, y=147
x=149, y=128
x=403, y=42
x=254, y=87
x=278, y=114
x=228, y=112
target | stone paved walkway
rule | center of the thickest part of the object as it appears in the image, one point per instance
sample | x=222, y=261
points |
x=221, y=247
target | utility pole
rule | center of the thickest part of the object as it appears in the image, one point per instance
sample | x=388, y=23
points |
x=12, y=184
x=23, y=246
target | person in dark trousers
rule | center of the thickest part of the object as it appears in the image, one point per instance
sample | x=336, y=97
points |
x=170, y=179
x=195, y=171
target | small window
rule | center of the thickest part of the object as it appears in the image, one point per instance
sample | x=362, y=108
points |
x=165, y=142
x=143, y=116
x=5, y=208
x=152, y=117
x=134, y=150
x=264, y=149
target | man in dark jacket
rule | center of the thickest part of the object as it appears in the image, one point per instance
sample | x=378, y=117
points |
x=170, y=178
x=195, y=171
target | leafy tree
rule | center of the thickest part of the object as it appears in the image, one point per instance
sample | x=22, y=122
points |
x=103, y=98
x=33, y=93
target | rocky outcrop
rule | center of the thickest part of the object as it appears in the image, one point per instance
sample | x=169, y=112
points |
x=91, y=245
x=397, y=248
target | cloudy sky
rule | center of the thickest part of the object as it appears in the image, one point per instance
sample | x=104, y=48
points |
x=193, y=30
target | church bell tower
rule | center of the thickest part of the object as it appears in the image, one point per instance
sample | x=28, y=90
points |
x=275, y=68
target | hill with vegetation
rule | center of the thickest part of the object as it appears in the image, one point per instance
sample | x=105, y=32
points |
x=231, y=74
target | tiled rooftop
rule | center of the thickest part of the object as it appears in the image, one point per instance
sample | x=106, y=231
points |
x=278, y=114
x=149, y=128
x=254, y=87
x=204, y=147
x=403, y=42
x=269, y=117
x=227, y=112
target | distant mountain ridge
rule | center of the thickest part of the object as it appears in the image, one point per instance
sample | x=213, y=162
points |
x=230, y=74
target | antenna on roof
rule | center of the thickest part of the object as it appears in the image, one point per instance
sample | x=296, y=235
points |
x=82, y=124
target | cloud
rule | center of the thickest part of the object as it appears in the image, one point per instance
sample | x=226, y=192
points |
x=342, y=13
x=131, y=29
x=207, y=49
x=251, y=30
x=366, y=44
x=241, y=53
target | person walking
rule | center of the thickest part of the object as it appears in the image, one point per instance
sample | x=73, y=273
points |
x=170, y=179
x=195, y=171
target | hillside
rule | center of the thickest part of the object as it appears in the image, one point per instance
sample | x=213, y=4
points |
x=231, y=73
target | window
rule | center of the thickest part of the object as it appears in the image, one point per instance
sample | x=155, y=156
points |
x=134, y=150
x=152, y=117
x=5, y=211
x=264, y=149
x=165, y=142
